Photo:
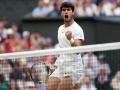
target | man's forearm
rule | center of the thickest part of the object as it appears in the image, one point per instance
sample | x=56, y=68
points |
x=76, y=43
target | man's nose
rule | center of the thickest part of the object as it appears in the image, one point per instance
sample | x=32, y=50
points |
x=66, y=11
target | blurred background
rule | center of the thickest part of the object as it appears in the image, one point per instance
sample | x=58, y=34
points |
x=32, y=25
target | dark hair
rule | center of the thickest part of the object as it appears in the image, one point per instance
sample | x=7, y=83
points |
x=67, y=5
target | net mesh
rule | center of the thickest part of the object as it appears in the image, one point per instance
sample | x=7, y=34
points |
x=101, y=64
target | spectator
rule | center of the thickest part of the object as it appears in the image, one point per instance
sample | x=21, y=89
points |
x=116, y=81
x=113, y=1
x=87, y=83
x=41, y=10
x=13, y=85
x=15, y=29
x=2, y=49
x=79, y=8
x=102, y=82
x=5, y=68
x=49, y=59
x=3, y=84
x=26, y=42
x=30, y=85
x=16, y=73
x=89, y=8
x=48, y=43
x=116, y=10
x=36, y=40
x=56, y=11
x=104, y=64
x=105, y=8
x=49, y=5
x=91, y=62
x=10, y=43
x=20, y=84
x=3, y=30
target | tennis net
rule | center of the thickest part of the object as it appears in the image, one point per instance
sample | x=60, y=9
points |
x=101, y=62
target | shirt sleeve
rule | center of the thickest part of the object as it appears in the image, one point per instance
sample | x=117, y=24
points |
x=78, y=34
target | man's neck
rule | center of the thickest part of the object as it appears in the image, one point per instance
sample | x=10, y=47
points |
x=67, y=24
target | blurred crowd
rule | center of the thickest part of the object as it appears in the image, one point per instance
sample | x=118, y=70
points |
x=98, y=73
x=12, y=39
x=14, y=72
x=83, y=8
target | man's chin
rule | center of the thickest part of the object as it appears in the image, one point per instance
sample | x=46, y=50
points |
x=66, y=20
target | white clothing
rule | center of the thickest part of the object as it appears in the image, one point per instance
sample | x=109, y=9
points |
x=115, y=84
x=116, y=11
x=106, y=67
x=77, y=33
x=91, y=87
x=69, y=64
x=91, y=10
x=107, y=9
x=91, y=62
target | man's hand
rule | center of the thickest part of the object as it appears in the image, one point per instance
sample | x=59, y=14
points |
x=73, y=42
x=68, y=34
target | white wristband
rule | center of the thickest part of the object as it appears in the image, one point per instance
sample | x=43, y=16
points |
x=72, y=40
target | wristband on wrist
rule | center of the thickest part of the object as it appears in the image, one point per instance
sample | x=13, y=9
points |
x=72, y=40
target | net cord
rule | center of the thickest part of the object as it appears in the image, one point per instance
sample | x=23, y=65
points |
x=79, y=49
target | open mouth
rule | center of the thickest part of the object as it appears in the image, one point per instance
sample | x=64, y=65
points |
x=66, y=16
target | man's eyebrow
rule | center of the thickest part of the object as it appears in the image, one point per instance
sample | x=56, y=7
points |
x=65, y=8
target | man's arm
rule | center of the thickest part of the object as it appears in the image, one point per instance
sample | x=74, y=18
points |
x=74, y=42
x=77, y=42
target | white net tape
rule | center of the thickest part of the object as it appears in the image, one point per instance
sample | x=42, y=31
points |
x=80, y=49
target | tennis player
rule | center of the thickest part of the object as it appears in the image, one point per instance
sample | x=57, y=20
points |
x=70, y=68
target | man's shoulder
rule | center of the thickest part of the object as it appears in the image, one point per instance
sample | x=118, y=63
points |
x=77, y=26
x=60, y=27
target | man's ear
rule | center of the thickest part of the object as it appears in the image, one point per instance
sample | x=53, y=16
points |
x=73, y=13
x=61, y=14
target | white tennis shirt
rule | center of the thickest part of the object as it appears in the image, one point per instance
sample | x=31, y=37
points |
x=77, y=33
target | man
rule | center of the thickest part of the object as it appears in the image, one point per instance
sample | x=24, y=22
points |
x=69, y=67
x=41, y=10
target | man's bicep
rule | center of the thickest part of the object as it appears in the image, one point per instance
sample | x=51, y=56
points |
x=78, y=34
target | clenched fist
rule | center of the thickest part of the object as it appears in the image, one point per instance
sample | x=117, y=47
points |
x=68, y=34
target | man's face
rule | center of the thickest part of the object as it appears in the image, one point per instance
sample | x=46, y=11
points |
x=67, y=14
